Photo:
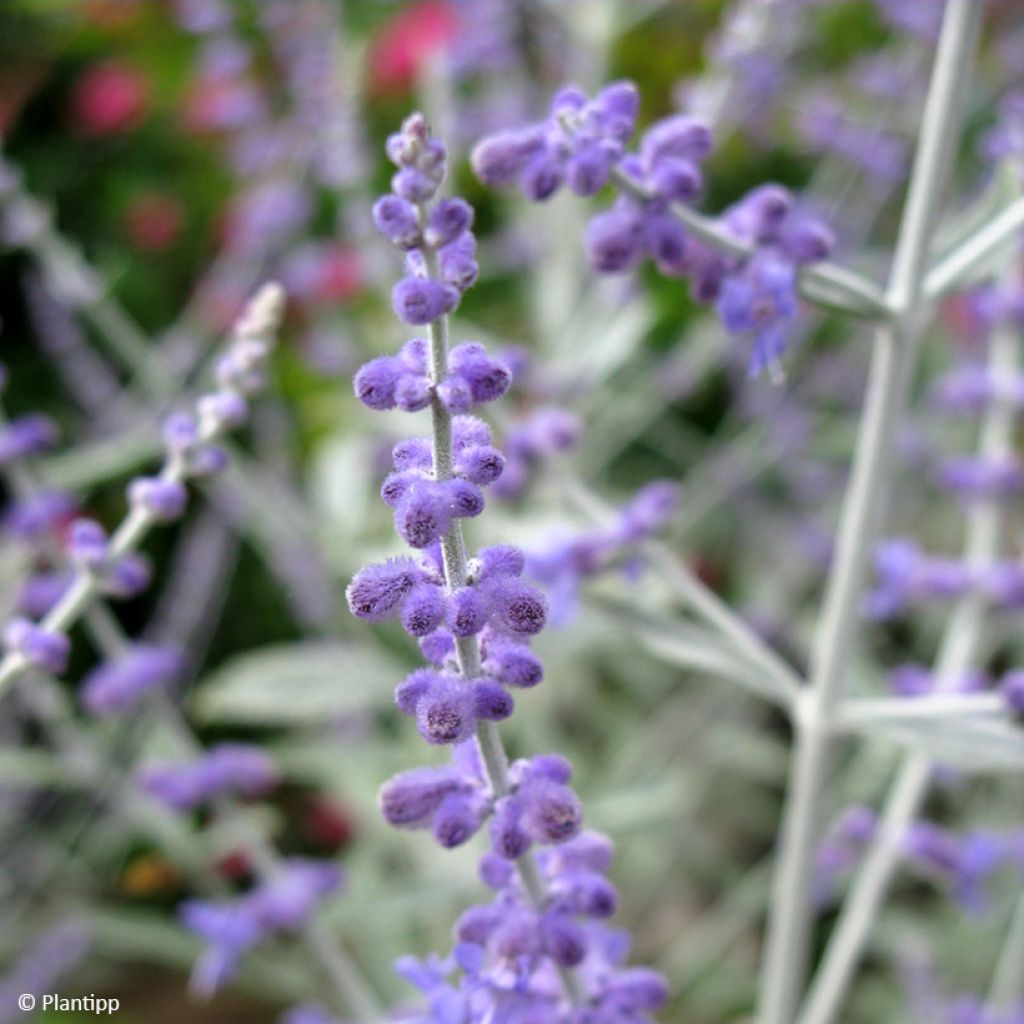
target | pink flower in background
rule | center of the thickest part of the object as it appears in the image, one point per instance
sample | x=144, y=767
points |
x=109, y=98
x=153, y=221
x=407, y=43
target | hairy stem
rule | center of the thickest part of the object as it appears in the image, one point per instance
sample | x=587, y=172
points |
x=453, y=551
x=787, y=945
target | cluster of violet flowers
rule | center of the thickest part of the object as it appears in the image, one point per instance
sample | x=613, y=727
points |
x=541, y=948
x=582, y=143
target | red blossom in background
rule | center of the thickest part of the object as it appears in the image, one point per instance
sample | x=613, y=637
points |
x=109, y=98
x=153, y=221
x=407, y=43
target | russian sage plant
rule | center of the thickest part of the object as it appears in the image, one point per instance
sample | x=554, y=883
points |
x=540, y=947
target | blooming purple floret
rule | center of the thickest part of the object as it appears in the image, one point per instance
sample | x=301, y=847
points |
x=474, y=617
x=582, y=143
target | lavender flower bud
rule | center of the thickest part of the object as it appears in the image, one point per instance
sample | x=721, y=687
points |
x=553, y=767
x=445, y=713
x=666, y=243
x=469, y=431
x=418, y=300
x=38, y=646
x=116, y=687
x=759, y=215
x=412, y=393
x=423, y=610
x=541, y=177
x=466, y=611
x=495, y=872
x=673, y=179
x=508, y=837
x=477, y=924
x=26, y=436
x=87, y=544
x=438, y=647
x=552, y=812
x=513, y=664
x=808, y=242
x=221, y=412
x=680, y=136
x=163, y=500
x=465, y=500
x=410, y=691
x=587, y=170
x=502, y=158
x=412, y=453
x=377, y=590
x=457, y=819
x=638, y=989
x=128, y=577
x=41, y=591
x=455, y=394
x=422, y=515
x=396, y=220
x=589, y=893
x=488, y=378
x=613, y=240
x=458, y=262
x=564, y=940
x=180, y=433
x=492, y=702
x=520, y=608
x=448, y=220
x=412, y=184
x=480, y=464
x=376, y=381
x=409, y=799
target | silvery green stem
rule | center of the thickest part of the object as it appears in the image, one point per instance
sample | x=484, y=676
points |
x=950, y=271
x=76, y=600
x=785, y=959
x=453, y=551
x=1008, y=979
x=961, y=645
x=861, y=714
